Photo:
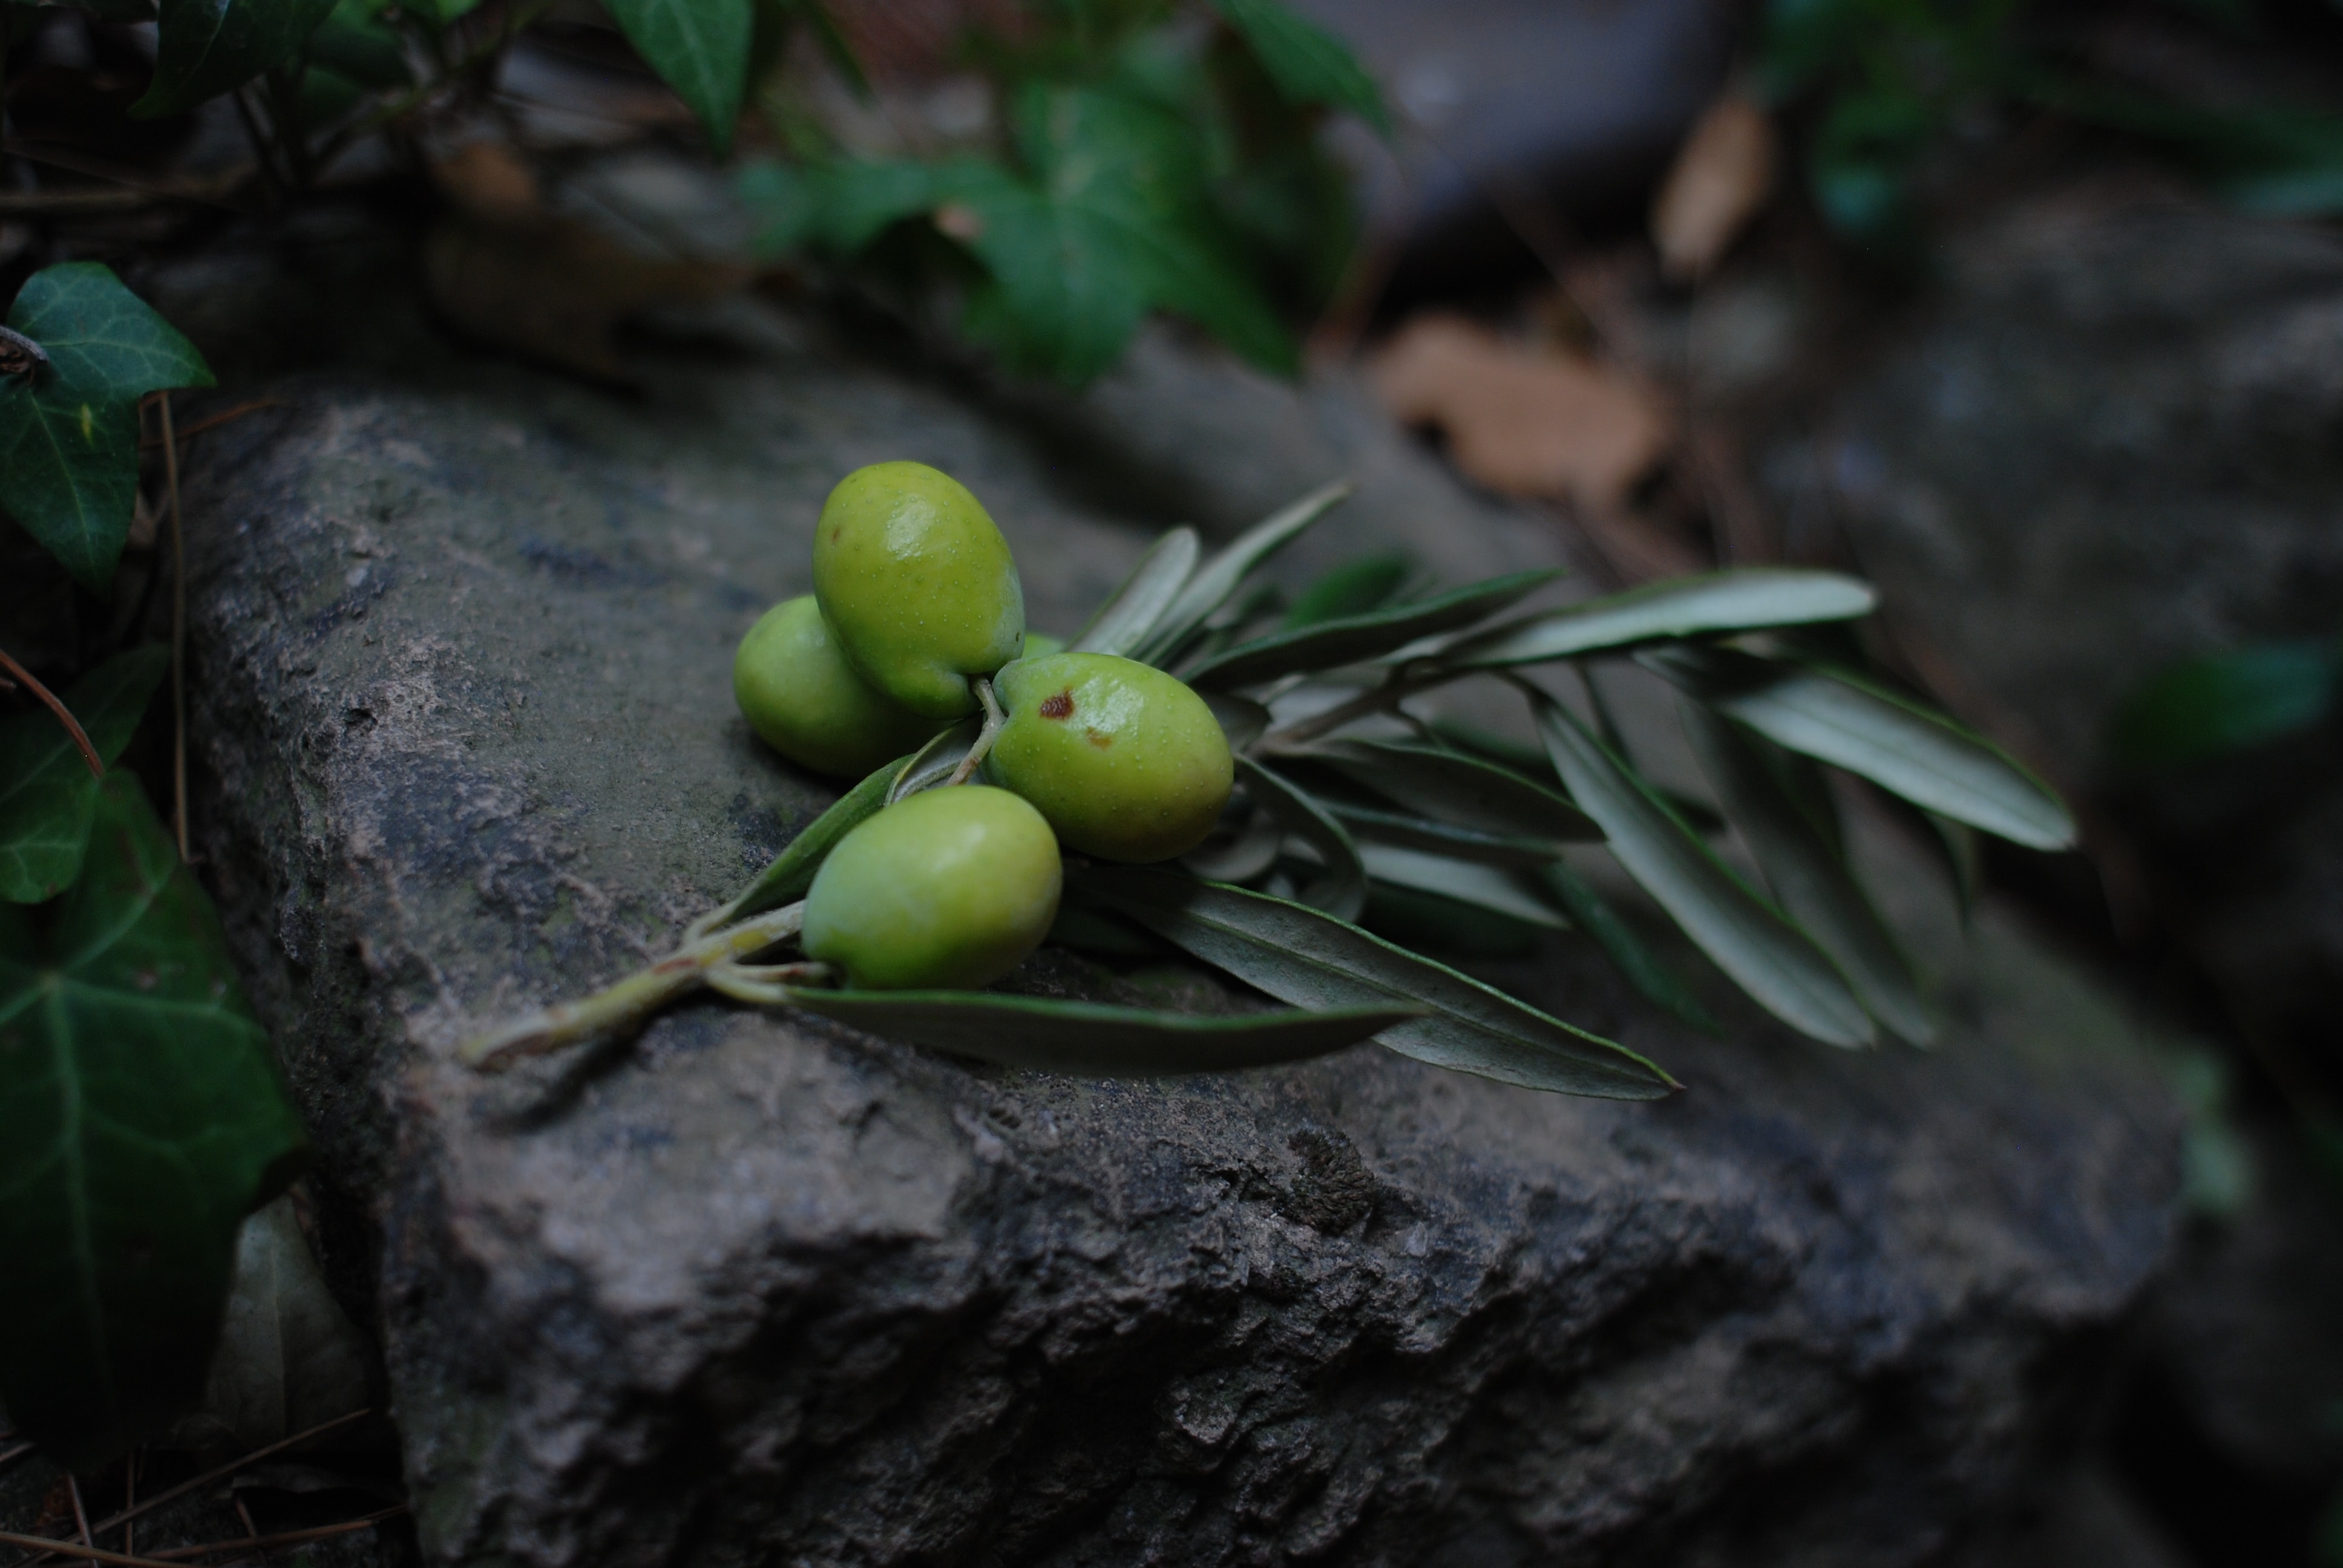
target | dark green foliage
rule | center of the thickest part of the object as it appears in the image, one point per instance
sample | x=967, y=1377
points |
x=1141, y=170
x=206, y=47
x=700, y=48
x=47, y=794
x=1354, y=587
x=69, y=430
x=2223, y=702
x=140, y=1121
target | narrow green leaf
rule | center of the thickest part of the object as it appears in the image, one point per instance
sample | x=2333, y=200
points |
x=69, y=431
x=1242, y=719
x=1455, y=788
x=206, y=47
x=1744, y=599
x=1211, y=586
x=792, y=870
x=1093, y=1039
x=1838, y=717
x=47, y=792
x=1773, y=961
x=1341, y=887
x=1477, y=883
x=1309, y=65
x=1353, y=640
x=700, y=48
x=1131, y=612
x=1414, y=833
x=936, y=761
x=1644, y=968
x=141, y=1119
x=1354, y=587
x=1301, y=956
x=1240, y=848
x=1810, y=881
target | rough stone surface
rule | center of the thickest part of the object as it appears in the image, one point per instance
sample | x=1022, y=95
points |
x=758, y=1289
x=2108, y=445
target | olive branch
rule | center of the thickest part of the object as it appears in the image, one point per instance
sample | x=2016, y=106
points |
x=1345, y=791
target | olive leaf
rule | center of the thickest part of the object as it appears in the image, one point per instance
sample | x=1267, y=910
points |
x=1341, y=888
x=1746, y=599
x=791, y=872
x=69, y=430
x=1212, y=584
x=1131, y=612
x=1474, y=882
x=1811, y=882
x=1245, y=844
x=1353, y=640
x=1455, y=788
x=700, y=48
x=1633, y=957
x=48, y=795
x=1841, y=718
x=1353, y=588
x=1773, y=961
x=1241, y=718
x=1447, y=838
x=1046, y=1035
x=141, y=1119
x=206, y=47
x=1299, y=955
x=936, y=761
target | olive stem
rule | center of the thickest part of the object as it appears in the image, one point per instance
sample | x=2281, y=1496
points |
x=766, y=984
x=1392, y=692
x=631, y=999
x=994, y=719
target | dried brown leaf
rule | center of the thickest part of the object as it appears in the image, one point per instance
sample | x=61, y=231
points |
x=1521, y=420
x=1722, y=176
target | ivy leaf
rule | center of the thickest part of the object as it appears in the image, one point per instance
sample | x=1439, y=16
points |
x=1354, y=639
x=1773, y=961
x=1091, y=1039
x=69, y=430
x=141, y=1119
x=1309, y=65
x=2222, y=702
x=206, y=47
x=1308, y=958
x=700, y=48
x=1745, y=599
x=47, y=792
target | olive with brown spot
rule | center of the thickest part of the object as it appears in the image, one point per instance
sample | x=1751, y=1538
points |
x=1124, y=761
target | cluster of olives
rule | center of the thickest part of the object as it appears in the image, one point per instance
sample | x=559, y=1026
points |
x=917, y=621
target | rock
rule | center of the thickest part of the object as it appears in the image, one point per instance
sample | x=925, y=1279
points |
x=2108, y=445
x=756, y=1287
x=1575, y=105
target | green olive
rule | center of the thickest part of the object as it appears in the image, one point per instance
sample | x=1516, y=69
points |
x=917, y=585
x=1125, y=761
x=797, y=692
x=1041, y=645
x=950, y=888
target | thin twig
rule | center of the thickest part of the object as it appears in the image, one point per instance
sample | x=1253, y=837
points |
x=47, y=1548
x=81, y=1515
x=130, y=1500
x=213, y=192
x=72, y=725
x=206, y=1478
x=213, y=421
x=178, y=633
x=288, y=1538
x=12, y=1455
x=1395, y=690
x=994, y=719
